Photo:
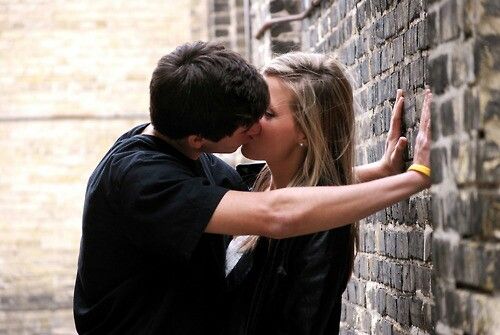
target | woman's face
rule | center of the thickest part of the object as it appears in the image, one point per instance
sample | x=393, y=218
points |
x=279, y=137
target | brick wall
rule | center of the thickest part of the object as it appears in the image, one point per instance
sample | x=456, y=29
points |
x=383, y=43
x=227, y=24
x=464, y=63
x=73, y=76
x=423, y=266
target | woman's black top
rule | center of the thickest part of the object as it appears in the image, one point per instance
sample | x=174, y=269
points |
x=290, y=286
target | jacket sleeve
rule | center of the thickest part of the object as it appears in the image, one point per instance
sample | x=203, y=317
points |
x=317, y=266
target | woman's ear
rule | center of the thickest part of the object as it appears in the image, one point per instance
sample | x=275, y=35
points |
x=301, y=137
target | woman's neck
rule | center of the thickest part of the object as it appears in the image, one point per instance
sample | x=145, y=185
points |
x=282, y=173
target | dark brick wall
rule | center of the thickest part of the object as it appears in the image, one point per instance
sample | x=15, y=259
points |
x=280, y=38
x=424, y=266
x=464, y=37
x=385, y=46
x=226, y=24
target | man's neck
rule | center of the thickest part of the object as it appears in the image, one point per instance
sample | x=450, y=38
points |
x=180, y=145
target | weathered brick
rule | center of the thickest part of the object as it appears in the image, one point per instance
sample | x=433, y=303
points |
x=455, y=308
x=387, y=57
x=390, y=243
x=276, y=6
x=365, y=321
x=403, y=315
x=416, y=312
x=384, y=327
x=281, y=47
x=281, y=28
x=378, y=32
x=350, y=314
x=416, y=244
x=347, y=28
x=369, y=241
x=397, y=276
x=398, y=49
x=438, y=159
x=402, y=15
x=363, y=267
x=361, y=293
x=351, y=53
x=449, y=17
x=334, y=40
x=374, y=269
x=442, y=254
x=447, y=118
x=492, y=7
x=386, y=273
x=222, y=19
x=380, y=301
x=423, y=279
x=365, y=71
x=410, y=41
x=402, y=245
x=422, y=35
x=491, y=111
x=342, y=8
x=475, y=265
x=389, y=25
x=408, y=277
x=363, y=14
x=432, y=32
x=438, y=73
x=391, y=306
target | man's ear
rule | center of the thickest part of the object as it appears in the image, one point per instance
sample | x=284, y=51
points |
x=195, y=141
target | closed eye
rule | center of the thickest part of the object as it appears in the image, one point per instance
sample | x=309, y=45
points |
x=269, y=114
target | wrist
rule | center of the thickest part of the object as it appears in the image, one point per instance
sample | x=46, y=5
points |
x=423, y=169
x=420, y=180
x=384, y=168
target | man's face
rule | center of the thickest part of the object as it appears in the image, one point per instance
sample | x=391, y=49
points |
x=229, y=144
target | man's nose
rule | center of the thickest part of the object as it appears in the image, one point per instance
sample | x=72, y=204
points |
x=254, y=129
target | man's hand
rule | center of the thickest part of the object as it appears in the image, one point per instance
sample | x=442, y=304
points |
x=423, y=142
x=392, y=162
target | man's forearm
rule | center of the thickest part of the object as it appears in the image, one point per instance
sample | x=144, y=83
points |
x=297, y=211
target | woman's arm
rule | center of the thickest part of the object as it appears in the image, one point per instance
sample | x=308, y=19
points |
x=303, y=210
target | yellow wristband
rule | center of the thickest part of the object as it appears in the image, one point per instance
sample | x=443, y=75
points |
x=420, y=168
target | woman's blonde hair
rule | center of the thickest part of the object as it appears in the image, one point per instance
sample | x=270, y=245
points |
x=323, y=107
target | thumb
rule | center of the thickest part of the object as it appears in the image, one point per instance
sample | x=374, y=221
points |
x=401, y=145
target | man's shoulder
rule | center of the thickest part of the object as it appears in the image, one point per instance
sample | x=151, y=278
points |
x=222, y=173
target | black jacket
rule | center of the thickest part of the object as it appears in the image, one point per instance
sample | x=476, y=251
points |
x=290, y=286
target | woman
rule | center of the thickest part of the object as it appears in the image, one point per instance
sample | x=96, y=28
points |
x=294, y=285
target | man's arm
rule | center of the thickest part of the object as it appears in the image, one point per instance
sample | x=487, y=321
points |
x=297, y=211
x=303, y=210
x=392, y=161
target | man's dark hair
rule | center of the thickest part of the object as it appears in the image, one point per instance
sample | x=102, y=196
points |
x=205, y=89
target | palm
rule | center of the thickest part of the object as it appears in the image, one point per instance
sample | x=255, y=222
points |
x=393, y=159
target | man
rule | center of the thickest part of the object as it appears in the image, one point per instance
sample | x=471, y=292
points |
x=145, y=266
x=151, y=256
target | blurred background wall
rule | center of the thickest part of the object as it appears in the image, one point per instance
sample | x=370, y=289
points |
x=74, y=75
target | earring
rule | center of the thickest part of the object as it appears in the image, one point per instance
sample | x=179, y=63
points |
x=301, y=144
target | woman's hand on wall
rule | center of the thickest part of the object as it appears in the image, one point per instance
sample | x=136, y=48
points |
x=392, y=162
